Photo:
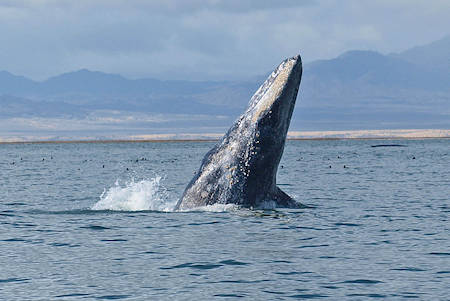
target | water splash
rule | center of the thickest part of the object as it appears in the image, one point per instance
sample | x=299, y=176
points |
x=147, y=195
x=136, y=196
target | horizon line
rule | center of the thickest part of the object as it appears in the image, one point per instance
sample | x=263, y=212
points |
x=205, y=137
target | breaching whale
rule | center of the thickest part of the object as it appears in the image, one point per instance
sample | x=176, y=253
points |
x=241, y=169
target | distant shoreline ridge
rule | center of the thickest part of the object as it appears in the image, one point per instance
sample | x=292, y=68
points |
x=192, y=137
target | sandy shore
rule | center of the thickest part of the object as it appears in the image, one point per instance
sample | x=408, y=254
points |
x=293, y=135
x=366, y=134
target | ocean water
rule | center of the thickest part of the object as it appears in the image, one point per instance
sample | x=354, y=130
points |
x=94, y=221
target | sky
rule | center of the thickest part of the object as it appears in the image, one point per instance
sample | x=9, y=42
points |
x=204, y=40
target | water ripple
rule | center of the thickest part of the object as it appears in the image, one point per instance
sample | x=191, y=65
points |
x=95, y=228
x=368, y=295
x=112, y=297
x=199, y=266
x=408, y=269
x=440, y=253
x=72, y=295
x=8, y=280
x=362, y=281
x=309, y=296
x=229, y=295
x=232, y=262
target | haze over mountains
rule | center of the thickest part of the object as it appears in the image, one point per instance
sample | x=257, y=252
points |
x=357, y=90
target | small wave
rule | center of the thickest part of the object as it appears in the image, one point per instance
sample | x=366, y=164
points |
x=144, y=195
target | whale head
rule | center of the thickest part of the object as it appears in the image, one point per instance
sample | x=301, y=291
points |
x=270, y=110
x=274, y=101
x=241, y=169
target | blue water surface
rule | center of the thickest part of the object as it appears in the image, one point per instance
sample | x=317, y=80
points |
x=378, y=229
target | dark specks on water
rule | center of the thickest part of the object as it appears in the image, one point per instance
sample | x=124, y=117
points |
x=378, y=229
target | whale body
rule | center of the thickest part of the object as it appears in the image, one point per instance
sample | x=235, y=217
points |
x=241, y=169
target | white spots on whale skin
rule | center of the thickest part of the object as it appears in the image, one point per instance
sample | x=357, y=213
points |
x=274, y=89
x=231, y=163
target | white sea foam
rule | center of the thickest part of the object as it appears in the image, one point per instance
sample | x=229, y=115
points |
x=215, y=208
x=267, y=205
x=136, y=196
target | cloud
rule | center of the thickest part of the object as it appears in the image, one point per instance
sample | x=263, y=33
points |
x=204, y=39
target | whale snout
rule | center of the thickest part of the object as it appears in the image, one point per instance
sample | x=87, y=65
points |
x=275, y=108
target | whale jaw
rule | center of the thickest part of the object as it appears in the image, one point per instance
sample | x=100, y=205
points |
x=241, y=169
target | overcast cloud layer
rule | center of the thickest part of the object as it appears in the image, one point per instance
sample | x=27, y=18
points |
x=202, y=40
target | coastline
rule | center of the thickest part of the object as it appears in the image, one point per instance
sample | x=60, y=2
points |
x=412, y=134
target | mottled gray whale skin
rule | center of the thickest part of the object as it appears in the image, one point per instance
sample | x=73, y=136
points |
x=241, y=169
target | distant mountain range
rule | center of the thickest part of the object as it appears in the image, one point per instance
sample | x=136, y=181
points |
x=357, y=90
x=369, y=90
